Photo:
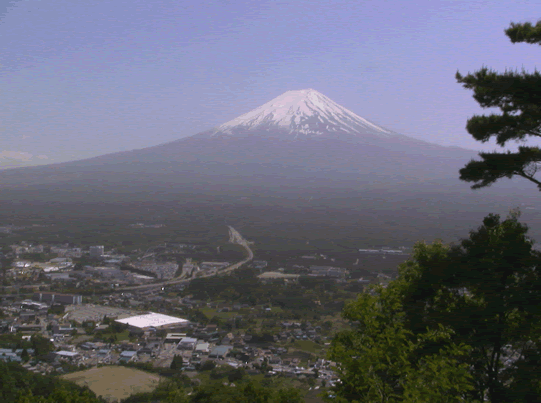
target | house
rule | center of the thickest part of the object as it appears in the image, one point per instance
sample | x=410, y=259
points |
x=202, y=348
x=220, y=352
x=174, y=338
x=88, y=346
x=29, y=328
x=187, y=343
x=62, y=329
x=127, y=356
x=27, y=316
x=103, y=352
x=144, y=350
x=7, y=355
x=67, y=355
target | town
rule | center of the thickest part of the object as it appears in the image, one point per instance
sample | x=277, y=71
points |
x=168, y=308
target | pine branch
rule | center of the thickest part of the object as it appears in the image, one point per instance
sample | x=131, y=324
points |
x=525, y=32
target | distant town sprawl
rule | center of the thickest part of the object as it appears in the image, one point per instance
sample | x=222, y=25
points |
x=150, y=307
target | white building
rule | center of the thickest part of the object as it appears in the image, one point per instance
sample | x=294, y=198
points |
x=153, y=320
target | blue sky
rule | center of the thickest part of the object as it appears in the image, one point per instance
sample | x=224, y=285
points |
x=87, y=77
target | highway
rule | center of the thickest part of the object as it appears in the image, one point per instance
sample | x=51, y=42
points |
x=234, y=237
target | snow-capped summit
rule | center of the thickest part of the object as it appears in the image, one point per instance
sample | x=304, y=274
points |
x=305, y=113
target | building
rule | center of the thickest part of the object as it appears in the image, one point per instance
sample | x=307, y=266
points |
x=35, y=306
x=174, y=338
x=328, y=271
x=187, y=343
x=62, y=329
x=202, y=347
x=220, y=351
x=61, y=262
x=275, y=276
x=153, y=320
x=68, y=355
x=65, y=277
x=96, y=252
x=127, y=356
x=51, y=297
x=7, y=355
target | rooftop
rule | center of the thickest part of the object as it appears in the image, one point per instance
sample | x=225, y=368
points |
x=275, y=274
x=151, y=319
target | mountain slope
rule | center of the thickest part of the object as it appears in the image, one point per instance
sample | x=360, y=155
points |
x=300, y=134
x=299, y=163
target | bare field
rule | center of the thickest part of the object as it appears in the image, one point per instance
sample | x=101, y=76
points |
x=115, y=383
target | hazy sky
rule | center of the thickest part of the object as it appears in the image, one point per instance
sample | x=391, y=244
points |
x=80, y=78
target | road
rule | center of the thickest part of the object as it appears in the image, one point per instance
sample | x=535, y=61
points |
x=234, y=237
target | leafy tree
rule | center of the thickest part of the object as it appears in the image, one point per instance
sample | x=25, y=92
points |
x=236, y=375
x=487, y=290
x=19, y=385
x=177, y=362
x=459, y=324
x=24, y=355
x=380, y=360
x=207, y=365
x=518, y=96
x=41, y=345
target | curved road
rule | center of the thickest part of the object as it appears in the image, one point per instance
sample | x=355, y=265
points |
x=234, y=237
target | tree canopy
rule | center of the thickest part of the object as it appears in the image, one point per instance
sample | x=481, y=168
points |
x=460, y=324
x=22, y=386
x=517, y=94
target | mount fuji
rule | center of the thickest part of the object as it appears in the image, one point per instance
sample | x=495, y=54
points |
x=299, y=150
x=300, y=138
x=297, y=114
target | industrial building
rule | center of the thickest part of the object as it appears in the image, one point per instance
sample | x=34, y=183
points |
x=154, y=320
x=52, y=297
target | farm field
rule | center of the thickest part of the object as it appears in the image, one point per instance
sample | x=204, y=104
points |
x=114, y=382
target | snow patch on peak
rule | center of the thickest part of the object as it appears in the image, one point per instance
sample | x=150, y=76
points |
x=304, y=111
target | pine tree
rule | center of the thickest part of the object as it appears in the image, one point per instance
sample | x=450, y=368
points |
x=518, y=96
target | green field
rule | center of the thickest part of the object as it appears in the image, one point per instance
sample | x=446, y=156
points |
x=115, y=383
x=308, y=345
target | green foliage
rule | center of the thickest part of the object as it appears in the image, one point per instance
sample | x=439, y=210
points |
x=207, y=365
x=41, y=345
x=56, y=309
x=525, y=33
x=19, y=385
x=249, y=392
x=177, y=362
x=25, y=356
x=382, y=361
x=443, y=330
x=488, y=290
x=518, y=96
x=243, y=391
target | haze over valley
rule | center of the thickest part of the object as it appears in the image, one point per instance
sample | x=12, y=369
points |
x=299, y=160
x=308, y=201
